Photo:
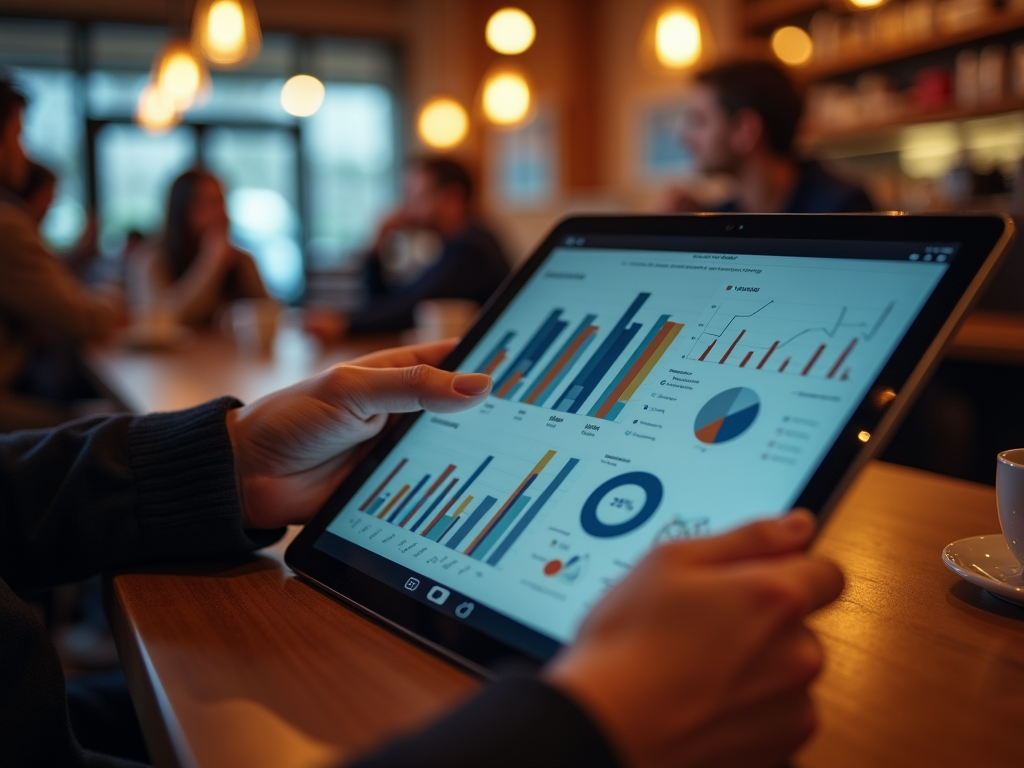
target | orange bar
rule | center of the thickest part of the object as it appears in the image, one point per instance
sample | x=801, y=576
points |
x=507, y=386
x=838, y=364
x=497, y=360
x=441, y=478
x=613, y=397
x=387, y=507
x=813, y=360
x=746, y=358
x=383, y=485
x=558, y=366
x=699, y=359
x=440, y=514
x=767, y=355
x=784, y=364
x=508, y=502
x=732, y=347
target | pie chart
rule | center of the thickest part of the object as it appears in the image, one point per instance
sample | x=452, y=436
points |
x=727, y=415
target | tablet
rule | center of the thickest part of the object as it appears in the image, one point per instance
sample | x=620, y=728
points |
x=655, y=379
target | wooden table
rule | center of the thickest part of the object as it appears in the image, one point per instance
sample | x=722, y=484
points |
x=990, y=337
x=208, y=366
x=240, y=664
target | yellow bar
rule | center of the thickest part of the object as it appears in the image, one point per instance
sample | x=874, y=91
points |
x=651, y=361
x=387, y=508
x=462, y=506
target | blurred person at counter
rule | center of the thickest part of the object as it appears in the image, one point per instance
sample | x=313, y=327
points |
x=438, y=197
x=38, y=295
x=192, y=270
x=743, y=122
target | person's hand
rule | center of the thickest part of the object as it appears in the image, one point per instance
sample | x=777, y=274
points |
x=293, y=447
x=327, y=325
x=215, y=250
x=393, y=222
x=701, y=657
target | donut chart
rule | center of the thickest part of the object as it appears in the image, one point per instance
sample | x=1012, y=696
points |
x=727, y=415
x=653, y=492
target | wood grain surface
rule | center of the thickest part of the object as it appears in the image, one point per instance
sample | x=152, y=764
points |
x=242, y=665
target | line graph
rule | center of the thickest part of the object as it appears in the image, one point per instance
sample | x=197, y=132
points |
x=786, y=336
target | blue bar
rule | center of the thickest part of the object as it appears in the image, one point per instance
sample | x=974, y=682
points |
x=604, y=366
x=529, y=355
x=507, y=507
x=433, y=506
x=408, y=497
x=629, y=364
x=534, y=510
x=497, y=348
x=481, y=509
x=440, y=529
x=378, y=502
x=615, y=411
x=584, y=324
x=474, y=476
x=500, y=528
x=557, y=381
x=599, y=355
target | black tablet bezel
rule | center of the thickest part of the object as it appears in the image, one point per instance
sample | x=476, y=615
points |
x=981, y=239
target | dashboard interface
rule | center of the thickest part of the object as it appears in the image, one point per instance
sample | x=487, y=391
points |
x=641, y=394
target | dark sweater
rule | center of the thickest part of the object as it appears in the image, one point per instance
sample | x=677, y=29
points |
x=471, y=266
x=115, y=491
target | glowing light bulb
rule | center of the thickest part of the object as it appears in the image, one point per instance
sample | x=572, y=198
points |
x=863, y=436
x=792, y=45
x=510, y=31
x=302, y=95
x=506, y=98
x=225, y=28
x=155, y=110
x=443, y=123
x=226, y=32
x=677, y=41
x=179, y=74
x=861, y=5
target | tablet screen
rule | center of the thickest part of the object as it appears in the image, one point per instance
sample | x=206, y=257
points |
x=644, y=391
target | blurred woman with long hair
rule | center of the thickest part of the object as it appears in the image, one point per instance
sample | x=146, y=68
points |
x=192, y=269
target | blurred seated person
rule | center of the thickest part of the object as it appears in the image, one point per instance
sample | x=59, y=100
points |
x=743, y=120
x=192, y=270
x=38, y=194
x=438, y=196
x=38, y=295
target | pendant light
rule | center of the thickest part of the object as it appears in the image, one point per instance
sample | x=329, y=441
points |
x=180, y=74
x=226, y=32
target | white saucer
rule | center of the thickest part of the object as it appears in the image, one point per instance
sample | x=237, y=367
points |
x=987, y=562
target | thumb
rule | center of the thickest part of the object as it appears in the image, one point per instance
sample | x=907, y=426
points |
x=371, y=391
x=758, y=540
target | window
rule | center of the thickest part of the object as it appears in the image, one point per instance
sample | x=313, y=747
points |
x=302, y=194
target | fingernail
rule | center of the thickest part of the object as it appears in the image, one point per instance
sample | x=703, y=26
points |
x=798, y=521
x=471, y=383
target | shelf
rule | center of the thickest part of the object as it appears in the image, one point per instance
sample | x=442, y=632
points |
x=869, y=131
x=760, y=14
x=1000, y=23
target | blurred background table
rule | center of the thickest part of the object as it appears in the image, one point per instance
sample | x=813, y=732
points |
x=206, y=366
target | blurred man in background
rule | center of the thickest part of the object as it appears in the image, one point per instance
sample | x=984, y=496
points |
x=438, y=196
x=743, y=121
x=37, y=293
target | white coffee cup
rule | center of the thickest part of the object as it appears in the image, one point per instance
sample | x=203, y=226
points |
x=1010, y=499
x=253, y=324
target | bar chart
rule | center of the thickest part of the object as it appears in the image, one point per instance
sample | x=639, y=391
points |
x=443, y=510
x=787, y=337
x=569, y=378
